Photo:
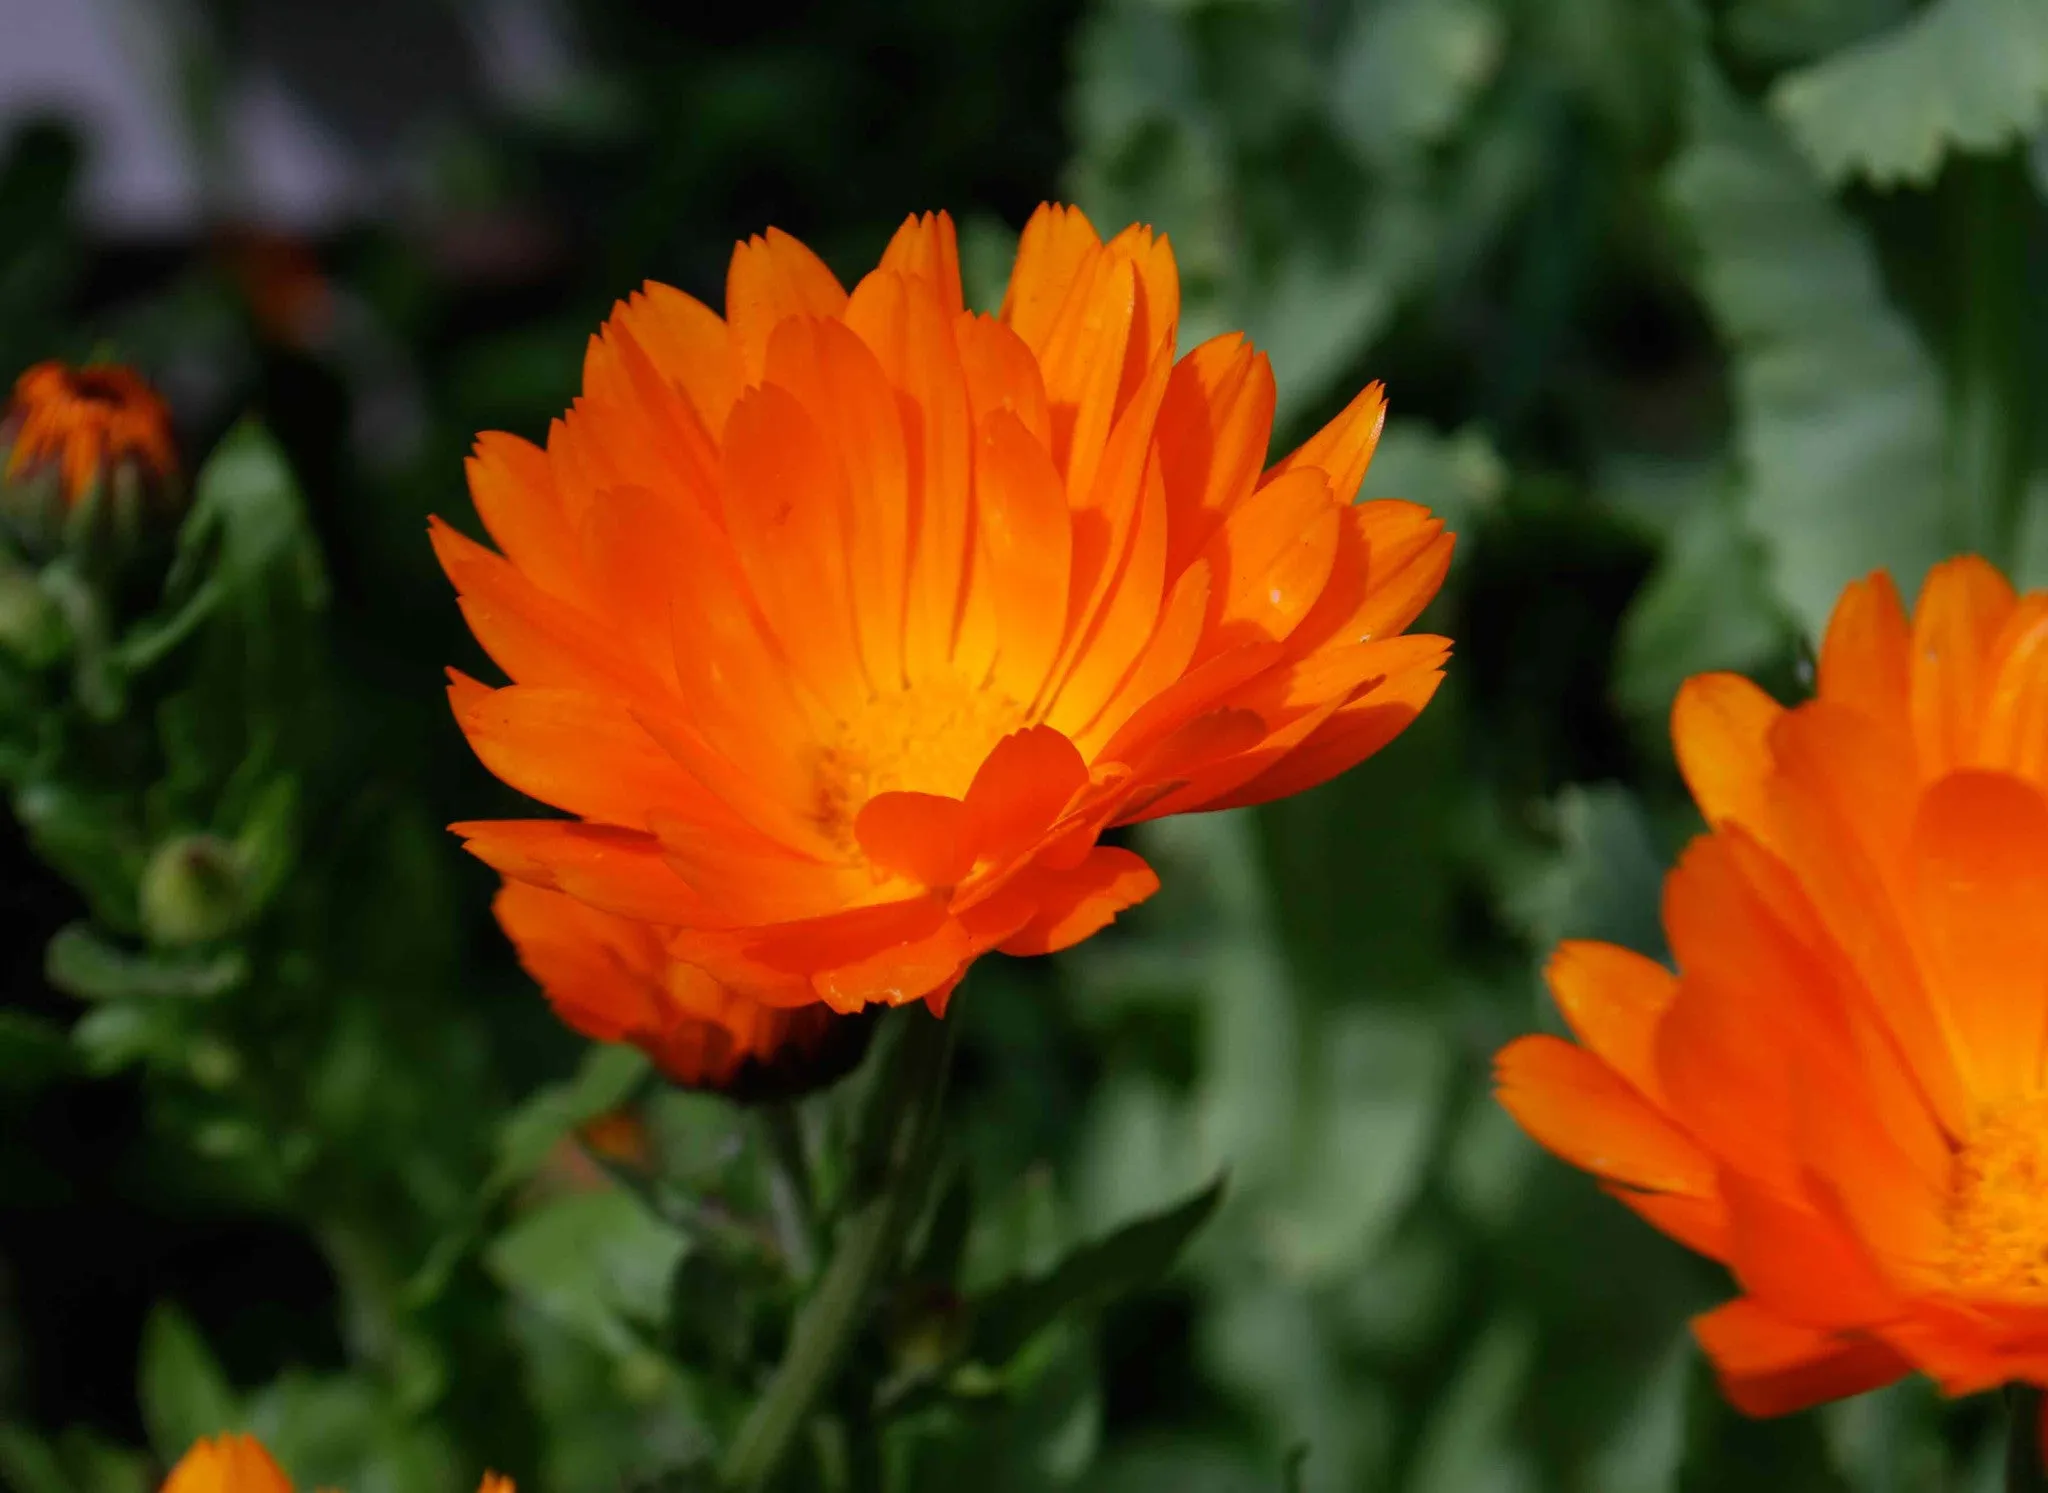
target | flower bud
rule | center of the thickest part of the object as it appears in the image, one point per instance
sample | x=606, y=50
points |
x=86, y=459
x=192, y=890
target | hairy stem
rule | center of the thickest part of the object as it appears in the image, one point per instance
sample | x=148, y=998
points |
x=869, y=1243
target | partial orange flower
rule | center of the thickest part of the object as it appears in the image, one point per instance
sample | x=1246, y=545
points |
x=612, y=978
x=85, y=425
x=239, y=1464
x=1843, y=1092
x=845, y=625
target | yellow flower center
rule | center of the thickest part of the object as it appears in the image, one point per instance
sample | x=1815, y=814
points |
x=1998, y=1205
x=927, y=738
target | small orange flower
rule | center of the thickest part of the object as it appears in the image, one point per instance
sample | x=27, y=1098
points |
x=1843, y=1093
x=85, y=423
x=846, y=624
x=239, y=1464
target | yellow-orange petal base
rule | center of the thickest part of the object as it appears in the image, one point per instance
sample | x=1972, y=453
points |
x=844, y=625
x=1843, y=1092
x=239, y=1464
x=83, y=422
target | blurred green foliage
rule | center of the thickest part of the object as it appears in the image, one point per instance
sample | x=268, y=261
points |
x=1689, y=314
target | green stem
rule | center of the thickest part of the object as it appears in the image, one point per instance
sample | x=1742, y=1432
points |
x=2024, y=1469
x=790, y=1187
x=869, y=1243
x=1989, y=433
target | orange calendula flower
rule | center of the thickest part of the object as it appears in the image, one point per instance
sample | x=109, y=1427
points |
x=86, y=425
x=846, y=624
x=239, y=1464
x=1843, y=1092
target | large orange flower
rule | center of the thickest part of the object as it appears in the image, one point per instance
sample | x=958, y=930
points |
x=846, y=624
x=1843, y=1093
x=239, y=1464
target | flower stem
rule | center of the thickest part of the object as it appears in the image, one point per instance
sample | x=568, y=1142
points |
x=2025, y=1471
x=869, y=1242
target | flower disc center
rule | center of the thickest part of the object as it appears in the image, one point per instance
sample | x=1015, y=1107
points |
x=1998, y=1205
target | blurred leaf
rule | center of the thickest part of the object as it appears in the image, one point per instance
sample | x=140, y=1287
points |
x=184, y=1394
x=1407, y=69
x=1375, y=1097
x=604, y=1080
x=1009, y=1315
x=30, y=1465
x=1799, y=30
x=598, y=1262
x=119, y=1033
x=245, y=536
x=81, y=963
x=1602, y=881
x=1649, y=1440
x=1456, y=477
x=33, y=1051
x=90, y=839
x=345, y=1431
x=1709, y=605
x=1839, y=407
x=1966, y=75
x=1467, y=1446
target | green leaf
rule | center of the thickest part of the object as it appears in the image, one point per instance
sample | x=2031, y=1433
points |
x=1010, y=1314
x=1960, y=75
x=33, y=1052
x=247, y=537
x=597, y=1262
x=1407, y=70
x=605, y=1079
x=1466, y=1445
x=1839, y=433
x=81, y=963
x=183, y=1392
x=28, y=1464
x=1601, y=882
x=1708, y=605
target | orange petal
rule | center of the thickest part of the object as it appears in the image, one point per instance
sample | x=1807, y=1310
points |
x=1730, y=1091
x=536, y=638
x=1801, y=1264
x=925, y=248
x=1865, y=658
x=1164, y=660
x=1213, y=430
x=1391, y=561
x=1769, y=1366
x=1270, y=560
x=775, y=962
x=1720, y=727
x=786, y=506
x=515, y=497
x=1579, y=1108
x=894, y=976
x=1002, y=374
x=1699, y=1223
x=936, y=386
x=1051, y=250
x=579, y=752
x=1083, y=361
x=1343, y=449
x=1155, y=311
x=612, y=869
x=689, y=345
x=1121, y=630
x=1075, y=904
x=1026, y=535
x=1027, y=780
x=1347, y=738
x=227, y=1464
x=1963, y=607
x=2015, y=734
x=1614, y=998
x=773, y=276
x=924, y=836
x=1980, y=871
